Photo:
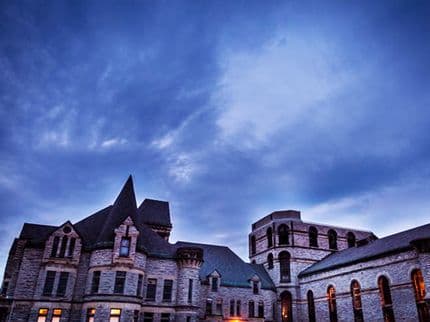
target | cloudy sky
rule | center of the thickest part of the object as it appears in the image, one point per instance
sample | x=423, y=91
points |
x=227, y=109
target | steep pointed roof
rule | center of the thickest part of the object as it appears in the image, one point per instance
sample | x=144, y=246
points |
x=155, y=212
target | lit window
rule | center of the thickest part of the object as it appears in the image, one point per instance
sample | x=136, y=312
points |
x=124, y=250
x=42, y=315
x=56, y=315
x=385, y=297
x=420, y=293
x=115, y=314
x=356, y=301
x=90, y=314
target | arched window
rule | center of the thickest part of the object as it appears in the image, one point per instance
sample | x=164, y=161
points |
x=284, y=263
x=269, y=237
x=286, y=307
x=356, y=301
x=385, y=296
x=270, y=261
x=313, y=237
x=253, y=245
x=332, y=239
x=420, y=293
x=351, y=239
x=261, y=309
x=251, y=309
x=311, y=306
x=283, y=233
x=331, y=297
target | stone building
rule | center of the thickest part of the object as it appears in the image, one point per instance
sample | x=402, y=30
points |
x=118, y=265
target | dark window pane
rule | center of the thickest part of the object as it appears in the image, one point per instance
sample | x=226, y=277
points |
x=148, y=317
x=119, y=282
x=214, y=284
x=251, y=309
x=139, y=285
x=71, y=247
x=62, y=283
x=95, y=282
x=55, y=246
x=49, y=283
x=63, y=247
x=190, y=291
x=167, y=290
x=151, y=289
x=165, y=317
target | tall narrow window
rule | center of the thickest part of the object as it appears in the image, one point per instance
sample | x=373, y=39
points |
x=231, y=307
x=311, y=306
x=124, y=249
x=420, y=293
x=190, y=290
x=270, y=261
x=91, y=312
x=261, y=309
x=269, y=237
x=139, y=285
x=283, y=234
x=119, y=282
x=55, y=246
x=63, y=247
x=356, y=301
x=49, y=283
x=313, y=237
x=253, y=245
x=238, y=308
x=42, y=315
x=214, y=284
x=332, y=239
x=165, y=317
x=62, y=283
x=136, y=316
x=151, y=289
x=148, y=317
x=167, y=290
x=95, y=282
x=56, y=315
x=71, y=247
x=284, y=263
x=115, y=315
x=350, y=237
x=251, y=309
x=255, y=287
x=385, y=296
x=332, y=309
x=209, y=307
x=218, y=309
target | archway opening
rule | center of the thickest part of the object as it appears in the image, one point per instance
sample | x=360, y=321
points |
x=286, y=307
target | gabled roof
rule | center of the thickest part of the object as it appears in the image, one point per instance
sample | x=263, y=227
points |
x=233, y=270
x=155, y=212
x=381, y=247
x=35, y=233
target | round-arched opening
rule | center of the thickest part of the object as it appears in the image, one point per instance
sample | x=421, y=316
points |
x=286, y=307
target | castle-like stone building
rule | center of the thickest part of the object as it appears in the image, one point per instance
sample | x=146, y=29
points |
x=118, y=265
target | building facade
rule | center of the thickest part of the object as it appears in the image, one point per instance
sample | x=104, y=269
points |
x=118, y=265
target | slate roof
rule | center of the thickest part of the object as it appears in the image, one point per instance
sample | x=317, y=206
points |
x=155, y=212
x=37, y=234
x=381, y=247
x=234, y=271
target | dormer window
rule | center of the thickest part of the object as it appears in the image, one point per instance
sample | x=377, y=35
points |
x=214, y=284
x=124, y=250
x=255, y=287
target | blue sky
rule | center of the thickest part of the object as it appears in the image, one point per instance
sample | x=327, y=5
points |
x=227, y=109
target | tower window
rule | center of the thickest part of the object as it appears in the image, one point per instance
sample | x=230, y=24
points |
x=253, y=245
x=269, y=237
x=56, y=315
x=420, y=293
x=270, y=261
x=119, y=282
x=95, y=282
x=332, y=239
x=124, y=249
x=284, y=263
x=350, y=237
x=313, y=237
x=115, y=315
x=283, y=234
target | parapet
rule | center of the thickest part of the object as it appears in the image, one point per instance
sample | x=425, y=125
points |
x=280, y=214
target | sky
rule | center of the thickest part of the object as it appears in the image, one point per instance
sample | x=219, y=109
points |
x=227, y=109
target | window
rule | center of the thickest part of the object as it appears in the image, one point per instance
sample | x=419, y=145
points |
x=284, y=263
x=49, y=283
x=269, y=237
x=63, y=247
x=62, y=283
x=56, y=315
x=165, y=317
x=332, y=239
x=270, y=261
x=148, y=317
x=190, y=290
x=331, y=297
x=151, y=289
x=71, y=247
x=136, y=316
x=238, y=307
x=350, y=237
x=209, y=307
x=167, y=290
x=119, y=282
x=286, y=306
x=231, y=307
x=283, y=234
x=55, y=246
x=214, y=284
x=311, y=306
x=188, y=318
x=255, y=287
x=42, y=315
x=115, y=315
x=95, y=282
x=218, y=310
x=261, y=309
x=420, y=293
x=253, y=245
x=356, y=301
x=251, y=309
x=385, y=297
x=313, y=237
x=139, y=285
x=91, y=312
x=124, y=249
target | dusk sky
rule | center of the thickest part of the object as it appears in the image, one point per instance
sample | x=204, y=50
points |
x=229, y=110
